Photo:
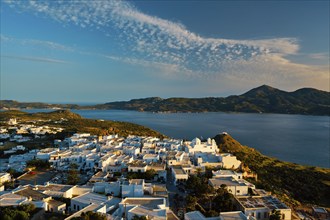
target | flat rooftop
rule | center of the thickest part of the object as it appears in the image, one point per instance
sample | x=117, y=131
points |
x=151, y=203
x=150, y=155
x=137, y=163
x=195, y=215
x=47, y=150
x=228, y=181
x=238, y=215
x=30, y=193
x=100, y=174
x=10, y=199
x=224, y=172
x=90, y=197
x=178, y=170
x=261, y=202
x=208, y=157
x=55, y=202
x=55, y=187
x=91, y=207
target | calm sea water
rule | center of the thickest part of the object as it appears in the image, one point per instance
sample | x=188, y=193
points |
x=295, y=138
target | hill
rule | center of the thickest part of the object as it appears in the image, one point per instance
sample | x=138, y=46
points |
x=264, y=99
x=12, y=104
x=73, y=123
x=305, y=184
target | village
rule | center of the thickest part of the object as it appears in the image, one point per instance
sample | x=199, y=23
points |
x=131, y=177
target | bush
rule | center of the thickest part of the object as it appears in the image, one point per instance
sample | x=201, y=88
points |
x=38, y=164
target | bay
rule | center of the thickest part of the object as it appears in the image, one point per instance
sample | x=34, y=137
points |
x=295, y=138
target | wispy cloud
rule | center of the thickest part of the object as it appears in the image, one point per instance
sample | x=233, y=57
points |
x=35, y=59
x=319, y=56
x=151, y=41
x=39, y=43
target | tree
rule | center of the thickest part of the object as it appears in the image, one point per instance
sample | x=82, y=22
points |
x=191, y=202
x=9, y=184
x=149, y=175
x=73, y=177
x=275, y=215
x=21, y=215
x=6, y=217
x=29, y=207
x=38, y=164
x=212, y=213
x=73, y=166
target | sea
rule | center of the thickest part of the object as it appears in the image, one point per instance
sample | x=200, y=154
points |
x=299, y=139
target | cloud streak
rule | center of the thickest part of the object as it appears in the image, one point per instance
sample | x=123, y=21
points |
x=35, y=59
x=39, y=43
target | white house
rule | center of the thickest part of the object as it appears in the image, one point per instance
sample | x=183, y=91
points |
x=82, y=201
x=236, y=187
x=133, y=188
x=260, y=207
x=11, y=199
x=4, y=177
x=150, y=158
x=137, y=166
x=204, y=159
x=108, y=188
x=197, y=145
x=12, y=121
x=227, y=173
x=153, y=207
x=131, y=150
x=174, y=158
x=37, y=198
x=56, y=206
x=44, y=154
x=230, y=161
x=56, y=190
x=179, y=174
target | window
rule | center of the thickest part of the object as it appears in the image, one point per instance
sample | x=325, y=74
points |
x=265, y=214
x=238, y=191
x=283, y=216
x=74, y=206
x=258, y=215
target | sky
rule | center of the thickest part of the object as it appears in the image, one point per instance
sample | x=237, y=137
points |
x=100, y=51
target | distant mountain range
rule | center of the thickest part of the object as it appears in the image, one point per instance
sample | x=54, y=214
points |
x=263, y=99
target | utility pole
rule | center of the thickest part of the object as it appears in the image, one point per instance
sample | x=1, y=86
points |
x=124, y=215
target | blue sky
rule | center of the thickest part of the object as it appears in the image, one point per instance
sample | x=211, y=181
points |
x=99, y=51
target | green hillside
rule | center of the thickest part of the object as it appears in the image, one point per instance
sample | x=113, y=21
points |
x=75, y=123
x=292, y=182
x=263, y=99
